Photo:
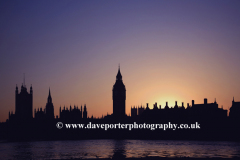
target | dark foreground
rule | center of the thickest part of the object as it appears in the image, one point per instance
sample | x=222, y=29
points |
x=155, y=158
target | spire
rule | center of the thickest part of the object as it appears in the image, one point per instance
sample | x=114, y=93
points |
x=119, y=76
x=233, y=99
x=49, y=97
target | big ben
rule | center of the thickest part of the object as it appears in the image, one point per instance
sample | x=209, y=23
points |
x=119, y=96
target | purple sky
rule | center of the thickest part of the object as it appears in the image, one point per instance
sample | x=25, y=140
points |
x=168, y=50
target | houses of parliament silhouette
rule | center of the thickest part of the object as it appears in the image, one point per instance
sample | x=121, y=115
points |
x=215, y=123
x=24, y=108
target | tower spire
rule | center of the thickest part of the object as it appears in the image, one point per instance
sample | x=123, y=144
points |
x=49, y=97
x=119, y=75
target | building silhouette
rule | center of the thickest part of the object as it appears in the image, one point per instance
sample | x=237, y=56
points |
x=206, y=112
x=39, y=114
x=119, y=96
x=215, y=124
x=137, y=111
x=134, y=112
x=85, y=112
x=235, y=110
x=23, y=105
x=73, y=114
x=49, y=107
x=48, y=112
x=140, y=110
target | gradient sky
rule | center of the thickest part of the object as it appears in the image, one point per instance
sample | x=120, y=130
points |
x=168, y=51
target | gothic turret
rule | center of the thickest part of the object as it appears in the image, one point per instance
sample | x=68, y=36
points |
x=84, y=112
x=49, y=107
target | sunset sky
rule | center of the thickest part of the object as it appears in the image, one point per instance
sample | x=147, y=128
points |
x=168, y=51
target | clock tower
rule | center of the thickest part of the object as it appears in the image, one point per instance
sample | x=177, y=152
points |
x=119, y=96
